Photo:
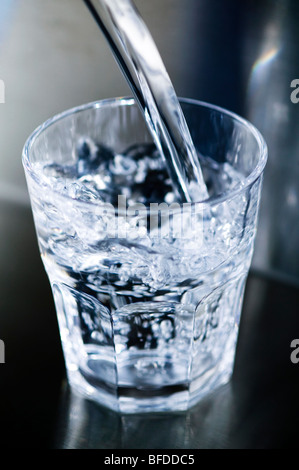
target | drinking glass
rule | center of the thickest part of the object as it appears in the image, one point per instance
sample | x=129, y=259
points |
x=148, y=293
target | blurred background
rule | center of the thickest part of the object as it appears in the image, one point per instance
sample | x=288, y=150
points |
x=239, y=55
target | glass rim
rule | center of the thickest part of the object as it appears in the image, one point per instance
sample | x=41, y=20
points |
x=130, y=101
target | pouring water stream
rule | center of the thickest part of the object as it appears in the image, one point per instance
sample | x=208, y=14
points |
x=143, y=68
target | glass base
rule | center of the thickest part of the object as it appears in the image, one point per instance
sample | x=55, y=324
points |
x=151, y=399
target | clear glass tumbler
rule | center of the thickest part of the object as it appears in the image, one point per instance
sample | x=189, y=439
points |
x=148, y=291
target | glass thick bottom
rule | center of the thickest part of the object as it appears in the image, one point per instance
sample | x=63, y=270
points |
x=168, y=398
